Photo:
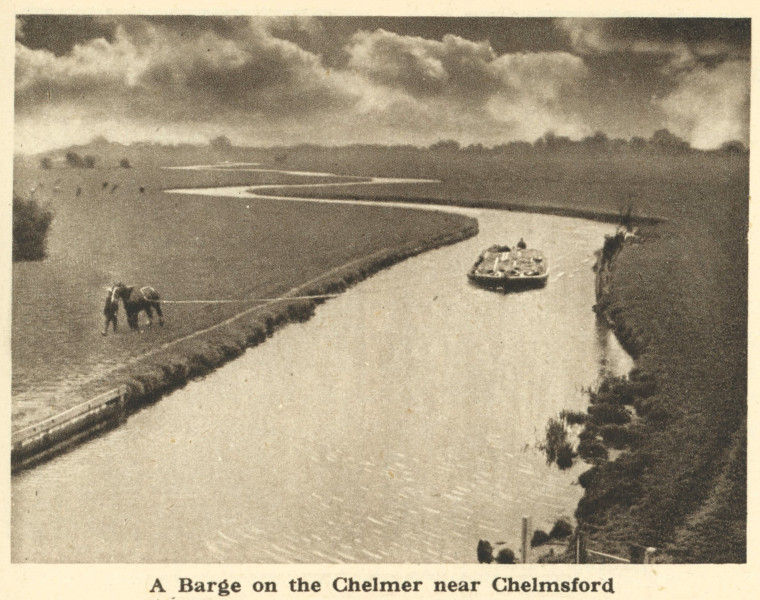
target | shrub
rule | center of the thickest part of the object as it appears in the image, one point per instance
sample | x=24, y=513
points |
x=565, y=456
x=30, y=228
x=605, y=413
x=539, y=537
x=592, y=451
x=562, y=529
x=573, y=417
x=505, y=557
x=89, y=162
x=485, y=552
x=556, y=438
x=46, y=163
x=124, y=163
x=74, y=160
x=617, y=436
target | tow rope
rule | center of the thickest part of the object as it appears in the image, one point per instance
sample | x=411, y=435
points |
x=250, y=299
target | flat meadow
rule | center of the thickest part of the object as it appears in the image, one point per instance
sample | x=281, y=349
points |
x=106, y=229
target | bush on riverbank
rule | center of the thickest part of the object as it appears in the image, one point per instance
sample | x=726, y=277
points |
x=31, y=223
x=561, y=530
x=679, y=480
x=607, y=423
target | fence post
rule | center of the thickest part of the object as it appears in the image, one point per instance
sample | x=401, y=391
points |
x=649, y=555
x=526, y=523
x=580, y=548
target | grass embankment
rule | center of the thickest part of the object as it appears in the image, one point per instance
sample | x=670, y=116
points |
x=679, y=302
x=189, y=248
x=187, y=358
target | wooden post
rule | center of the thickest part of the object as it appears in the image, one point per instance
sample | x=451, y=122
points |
x=649, y=555
x=526, y=526
x=580, y=548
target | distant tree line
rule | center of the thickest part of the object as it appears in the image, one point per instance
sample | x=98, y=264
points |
x=661, y=141
x=77, y=161
x=73, y=159
x=30, y=228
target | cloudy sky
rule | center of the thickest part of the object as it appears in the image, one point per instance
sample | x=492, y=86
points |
x=288, y=80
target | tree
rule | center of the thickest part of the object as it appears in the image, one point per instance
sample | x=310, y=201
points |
x=561, y=530
x=46, y=163
x=89, y=162
x=733, y=147
x=663, y=140
x=445, y=146
x=74, y=160
x=539, y=537
x=552, y=141
x=221, y=142
x=597, y=142
x=124, y=163
x=637, y=143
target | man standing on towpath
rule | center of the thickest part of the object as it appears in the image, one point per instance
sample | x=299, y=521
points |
x=110, y=310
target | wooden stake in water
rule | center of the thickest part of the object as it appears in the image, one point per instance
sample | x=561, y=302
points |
x=526, y=526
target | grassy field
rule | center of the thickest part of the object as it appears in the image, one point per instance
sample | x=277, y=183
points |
x=680, y=295
x=190, y=248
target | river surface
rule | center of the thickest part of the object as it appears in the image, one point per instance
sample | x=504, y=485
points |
x=398, y=425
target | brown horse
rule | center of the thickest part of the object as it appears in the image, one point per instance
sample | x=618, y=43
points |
x=136, y=299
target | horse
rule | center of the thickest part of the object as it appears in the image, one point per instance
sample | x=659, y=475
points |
x=136, y=299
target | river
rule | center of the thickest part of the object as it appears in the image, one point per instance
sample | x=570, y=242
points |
x=398, y=425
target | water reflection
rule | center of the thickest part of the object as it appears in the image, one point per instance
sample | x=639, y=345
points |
x=613, y=360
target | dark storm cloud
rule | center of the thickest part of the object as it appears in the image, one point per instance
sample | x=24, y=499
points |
x=677, y=43
x=185, y=69
x=328, y=36
x=411, y=80
x=60, y=33
x=732, y=34
x=191, y=25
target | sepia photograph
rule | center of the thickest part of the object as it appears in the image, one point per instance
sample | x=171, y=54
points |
x=379, y=290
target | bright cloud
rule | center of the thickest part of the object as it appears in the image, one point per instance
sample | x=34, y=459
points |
x=177, y=78
x=710, y=106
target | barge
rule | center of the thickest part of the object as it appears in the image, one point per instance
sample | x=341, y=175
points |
x=510, y=269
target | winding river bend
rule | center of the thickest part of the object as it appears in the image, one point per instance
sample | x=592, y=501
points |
x=398, y=425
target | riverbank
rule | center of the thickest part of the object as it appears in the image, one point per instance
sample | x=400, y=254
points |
x=600, y=215
x=173, y=366
x=160, y=370
x=677, y=481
